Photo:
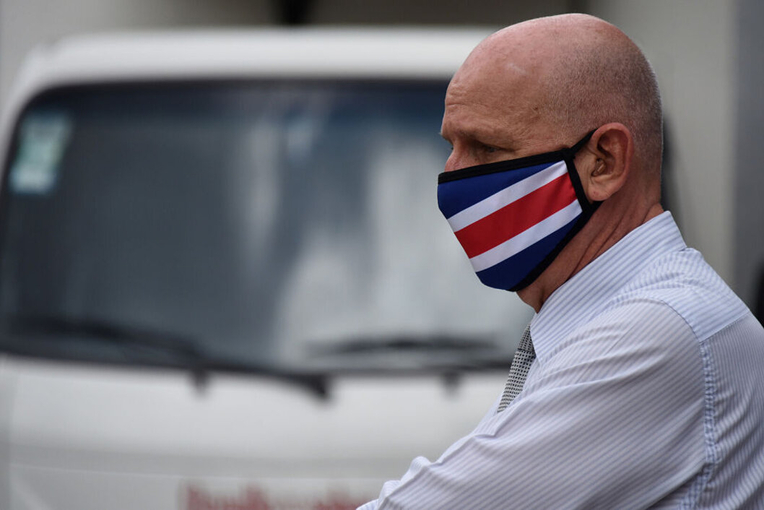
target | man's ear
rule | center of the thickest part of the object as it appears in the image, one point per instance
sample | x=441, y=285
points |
x=605, y=161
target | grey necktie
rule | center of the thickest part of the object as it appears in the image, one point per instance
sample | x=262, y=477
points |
x=518, y=371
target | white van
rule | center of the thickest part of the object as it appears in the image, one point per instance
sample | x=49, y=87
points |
x=224, y=279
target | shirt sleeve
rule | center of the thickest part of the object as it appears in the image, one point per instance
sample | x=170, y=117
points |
x=611, y=418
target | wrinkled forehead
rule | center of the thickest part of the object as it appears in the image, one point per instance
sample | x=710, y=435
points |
x=501, y=79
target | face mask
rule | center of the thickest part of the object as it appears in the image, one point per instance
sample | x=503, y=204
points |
x=514, y=217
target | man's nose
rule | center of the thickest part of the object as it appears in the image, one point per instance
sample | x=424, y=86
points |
x=456, y=161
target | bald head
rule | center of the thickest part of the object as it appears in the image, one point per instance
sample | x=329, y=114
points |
x=569, y=74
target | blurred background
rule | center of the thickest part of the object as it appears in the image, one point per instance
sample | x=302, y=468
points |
x=707, y=54
x=314, y=325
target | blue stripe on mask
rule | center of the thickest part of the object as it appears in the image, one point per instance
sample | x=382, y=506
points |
x=507, y=274
x=455, y=196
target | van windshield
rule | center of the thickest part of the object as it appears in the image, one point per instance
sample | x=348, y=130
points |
x=282, y=224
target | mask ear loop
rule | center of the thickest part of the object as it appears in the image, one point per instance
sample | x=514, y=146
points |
x=569, y=154
x=579, y=144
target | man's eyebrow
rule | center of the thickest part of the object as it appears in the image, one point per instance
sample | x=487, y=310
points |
x=479, y=136
x=460, y=133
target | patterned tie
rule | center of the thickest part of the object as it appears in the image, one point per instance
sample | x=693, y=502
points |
x=518, y=371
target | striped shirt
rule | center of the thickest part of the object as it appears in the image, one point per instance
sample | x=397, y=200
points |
x=647, y=392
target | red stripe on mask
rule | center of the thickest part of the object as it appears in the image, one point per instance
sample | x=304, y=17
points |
x=515, y=218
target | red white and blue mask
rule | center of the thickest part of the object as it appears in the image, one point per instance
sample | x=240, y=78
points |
x=513, y=217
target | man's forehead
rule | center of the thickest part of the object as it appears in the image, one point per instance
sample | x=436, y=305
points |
x=505, y=88
x=498, y=71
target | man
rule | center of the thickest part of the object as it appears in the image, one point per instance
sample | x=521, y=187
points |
x=640, y=382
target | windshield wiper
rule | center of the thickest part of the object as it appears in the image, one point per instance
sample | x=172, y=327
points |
x=438, y=352
x=408, y=343
x=184, y=350
x=102, y=331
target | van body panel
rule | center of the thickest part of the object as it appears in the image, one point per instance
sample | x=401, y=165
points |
x=87, y=436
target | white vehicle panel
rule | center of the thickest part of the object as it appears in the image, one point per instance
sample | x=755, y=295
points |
x=154, y=437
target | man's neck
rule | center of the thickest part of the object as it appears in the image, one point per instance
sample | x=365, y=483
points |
x=599, y=235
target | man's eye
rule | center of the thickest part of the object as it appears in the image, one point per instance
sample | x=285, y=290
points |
x=488, y=149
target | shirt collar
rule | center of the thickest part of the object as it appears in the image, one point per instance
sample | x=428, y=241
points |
x=583, y=296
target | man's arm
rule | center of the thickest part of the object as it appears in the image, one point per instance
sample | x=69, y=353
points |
x=612, y=419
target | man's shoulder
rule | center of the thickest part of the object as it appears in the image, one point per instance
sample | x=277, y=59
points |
x=683, y=282
x=662, y=316
x=641, y=334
